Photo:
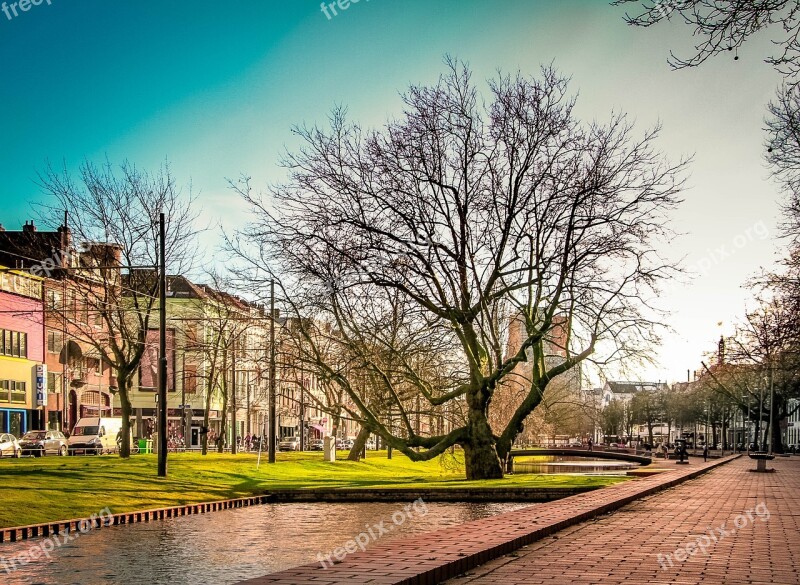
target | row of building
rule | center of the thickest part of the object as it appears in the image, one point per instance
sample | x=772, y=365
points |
x=738, y=430
x=52, y=372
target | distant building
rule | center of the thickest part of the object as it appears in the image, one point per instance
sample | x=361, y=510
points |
x=78, y=382
x=793, y=425
x=22, y=369
x=625, y=391
x=513, y=389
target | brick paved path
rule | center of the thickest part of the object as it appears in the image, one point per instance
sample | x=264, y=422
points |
x=436, y=556
x=622, y=547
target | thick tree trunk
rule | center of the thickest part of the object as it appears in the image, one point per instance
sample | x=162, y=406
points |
x=127, y=410
x=204, y=436
x=777, y=435
x=358, y=445
x=223, y=427
x=480, y=453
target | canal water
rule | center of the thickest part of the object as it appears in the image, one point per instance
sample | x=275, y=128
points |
x=225, y=547
x=558, y=464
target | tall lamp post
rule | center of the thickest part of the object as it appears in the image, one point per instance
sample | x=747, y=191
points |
x=162, y=351
x=272, y=426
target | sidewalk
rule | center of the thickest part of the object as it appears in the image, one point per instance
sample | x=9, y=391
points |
x=623, y=547
x=436, y=556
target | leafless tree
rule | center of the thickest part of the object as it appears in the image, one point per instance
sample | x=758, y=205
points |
x=117, y=278
x=472, y=212
x=764, y=355
x=223, y=322
x=723, y=27
x=783, y=153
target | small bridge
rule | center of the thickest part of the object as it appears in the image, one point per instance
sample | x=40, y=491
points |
x=582, y=453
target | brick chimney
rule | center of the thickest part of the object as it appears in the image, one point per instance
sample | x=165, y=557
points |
x=29, y=228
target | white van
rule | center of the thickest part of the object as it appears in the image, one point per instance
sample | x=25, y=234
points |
x=94, y=435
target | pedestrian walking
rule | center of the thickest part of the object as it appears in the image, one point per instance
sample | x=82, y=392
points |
x=590, y=443
x=705, y=452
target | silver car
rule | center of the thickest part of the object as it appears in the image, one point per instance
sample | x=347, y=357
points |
x=39, y=443
x=9, y=447
x=289, y=444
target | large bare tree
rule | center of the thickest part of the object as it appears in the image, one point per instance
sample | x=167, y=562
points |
x=117, y=279
x=475, y=213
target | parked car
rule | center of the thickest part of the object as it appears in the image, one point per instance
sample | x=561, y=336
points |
x=289, y=444
x=316, y=445
x=40, y=443
x=9, y=446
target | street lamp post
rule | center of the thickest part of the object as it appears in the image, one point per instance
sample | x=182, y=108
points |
x=162, y=351
x=771, y=397
x=272, y=421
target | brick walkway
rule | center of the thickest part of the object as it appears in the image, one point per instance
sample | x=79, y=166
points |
x=436, y=556
x=622, y=547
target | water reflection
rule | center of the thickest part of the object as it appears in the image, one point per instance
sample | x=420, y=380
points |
x=564, y=464
x=223, y=547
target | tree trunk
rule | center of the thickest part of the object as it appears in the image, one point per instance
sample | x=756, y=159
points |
x=127, y=410
x=480, y=454
x=777, y=435
x=223, y=427
x=358, y=445
x=204, y=436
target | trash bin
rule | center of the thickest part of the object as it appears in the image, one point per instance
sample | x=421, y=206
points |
x=143, y=446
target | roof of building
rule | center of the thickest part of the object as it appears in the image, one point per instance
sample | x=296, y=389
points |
x=30, y=247
x=633, y=387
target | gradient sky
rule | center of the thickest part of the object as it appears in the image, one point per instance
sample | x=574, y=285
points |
x=214, y=87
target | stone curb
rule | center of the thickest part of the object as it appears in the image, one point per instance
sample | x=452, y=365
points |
x=19, y=533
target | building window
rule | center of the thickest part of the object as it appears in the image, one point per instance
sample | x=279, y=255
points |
x=190, y=379
x=192, y=342
x=53, y=300
x=53, y=382
x=13, y=343
x=95, y=365
x=12, y=392
x=55, y=340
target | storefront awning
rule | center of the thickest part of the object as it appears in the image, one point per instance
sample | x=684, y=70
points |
x=319, y=428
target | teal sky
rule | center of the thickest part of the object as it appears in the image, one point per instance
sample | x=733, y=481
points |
x=216, y=86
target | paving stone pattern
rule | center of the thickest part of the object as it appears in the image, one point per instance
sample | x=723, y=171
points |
x=623, y=547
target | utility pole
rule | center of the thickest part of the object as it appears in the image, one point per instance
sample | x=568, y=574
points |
x=64, y=373
x=272, y=426
x=302, y=412
x=771, y=396
x=248, y=403
x=233, y=398
x=162, y=350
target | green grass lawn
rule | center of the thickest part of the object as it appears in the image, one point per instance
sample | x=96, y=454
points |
x=61, y=488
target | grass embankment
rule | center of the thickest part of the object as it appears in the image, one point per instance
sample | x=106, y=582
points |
x=60, y=488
